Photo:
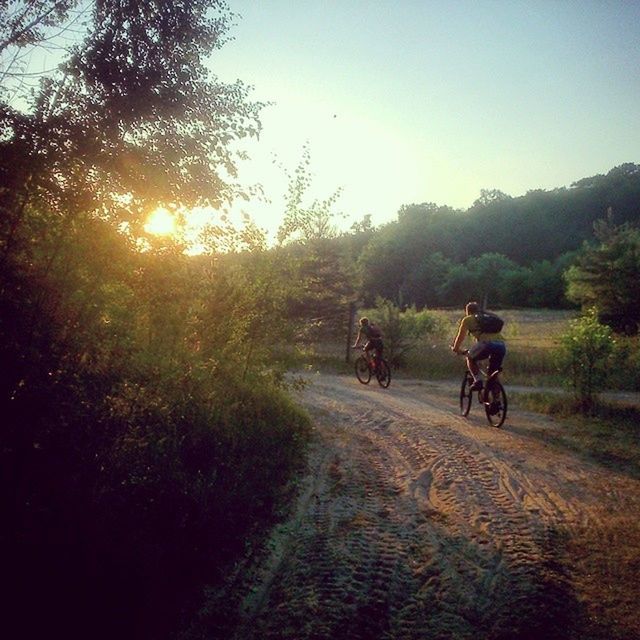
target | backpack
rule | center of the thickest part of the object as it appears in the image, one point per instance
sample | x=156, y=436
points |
x=489, y=322
x=374, y=332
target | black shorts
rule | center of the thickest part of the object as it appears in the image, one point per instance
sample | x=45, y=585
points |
x=494, y=350
x=374, y=343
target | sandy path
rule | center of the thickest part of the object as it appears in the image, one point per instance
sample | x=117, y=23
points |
x=417, y=523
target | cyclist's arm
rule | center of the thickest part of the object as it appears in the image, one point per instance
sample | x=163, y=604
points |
x=355, y=344
x=459, y=339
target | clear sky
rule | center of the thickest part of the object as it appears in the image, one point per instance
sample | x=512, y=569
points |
x=405, y=101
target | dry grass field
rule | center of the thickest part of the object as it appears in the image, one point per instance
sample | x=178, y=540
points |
x=531, y=334
x=524, y=328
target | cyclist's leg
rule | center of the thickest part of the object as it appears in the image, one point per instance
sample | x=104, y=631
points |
x=368, y=348
x=497, y=351
x=479, y=351
x=379, y=347
x=473, y=367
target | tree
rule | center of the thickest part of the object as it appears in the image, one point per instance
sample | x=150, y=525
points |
x=490, y=196
x=26, y=25
x=382, y=267
x=584, y=354
x=533, y=231
x=324, y=275
x=480, y=278
x=306, y=222
x=112, y=420
x=133, y=120
x=422, y=286
x=517, y=287
x=324, y=286
x=402, y=330
x=546, y=282
x=364, y=226
x=606, y=276
x=23, y=22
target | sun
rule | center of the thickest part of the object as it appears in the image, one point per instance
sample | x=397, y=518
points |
x=161, y=223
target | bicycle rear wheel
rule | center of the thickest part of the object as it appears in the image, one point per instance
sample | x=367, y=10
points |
x=466, y=395
x=495, y=404
x=383, y=374
x=363, y=372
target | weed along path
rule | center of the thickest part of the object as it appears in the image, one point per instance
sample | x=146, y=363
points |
x=416, y=523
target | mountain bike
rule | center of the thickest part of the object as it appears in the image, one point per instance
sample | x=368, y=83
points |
x=368, y=367
x=492, y=396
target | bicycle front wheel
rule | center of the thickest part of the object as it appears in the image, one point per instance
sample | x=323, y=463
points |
x=466, y=395
x=363, y=372
x=383, y=374
x=495, y=404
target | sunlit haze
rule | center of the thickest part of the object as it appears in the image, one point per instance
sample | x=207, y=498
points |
x=161, y=223
x=432, y=101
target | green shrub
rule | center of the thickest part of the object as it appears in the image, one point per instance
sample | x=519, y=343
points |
x=144, y=487
x=585, y=357
x=403, y=331
x=625, y=364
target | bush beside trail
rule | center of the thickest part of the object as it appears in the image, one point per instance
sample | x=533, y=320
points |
x=119, y=503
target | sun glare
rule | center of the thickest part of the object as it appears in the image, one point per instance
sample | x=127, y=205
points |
x=161, y=223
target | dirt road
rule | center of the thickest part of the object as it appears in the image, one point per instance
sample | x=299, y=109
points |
x=414, y=522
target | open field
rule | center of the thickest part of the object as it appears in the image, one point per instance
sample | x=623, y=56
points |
x=523, y=328
x=531, y=334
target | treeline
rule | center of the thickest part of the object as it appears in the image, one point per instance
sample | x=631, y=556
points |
x=513, y=250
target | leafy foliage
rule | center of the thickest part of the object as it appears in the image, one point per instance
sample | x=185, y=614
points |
x=585, y=354
x=437, y=256
x=146, y=435
x=319, y=266
x=402, y=329
x=306, y=222
x=607, y=276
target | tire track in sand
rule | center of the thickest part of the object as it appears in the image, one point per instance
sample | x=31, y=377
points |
x=422, y=525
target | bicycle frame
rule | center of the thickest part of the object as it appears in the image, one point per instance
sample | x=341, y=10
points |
x=373, y=356
x=374, y=366
x=492, y=396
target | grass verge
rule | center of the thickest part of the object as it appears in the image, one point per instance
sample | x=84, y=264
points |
x=609, y=434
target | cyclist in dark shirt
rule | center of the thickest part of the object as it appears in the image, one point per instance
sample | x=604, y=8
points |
x=374, y=338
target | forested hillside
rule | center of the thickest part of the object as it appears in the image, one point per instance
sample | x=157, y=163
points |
x=514, y=250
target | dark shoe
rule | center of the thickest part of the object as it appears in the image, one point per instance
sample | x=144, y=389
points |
x=476, y=386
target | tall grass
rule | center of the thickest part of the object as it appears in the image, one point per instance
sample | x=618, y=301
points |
x=526, y=367
x=531, y=336
x=609, y=434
